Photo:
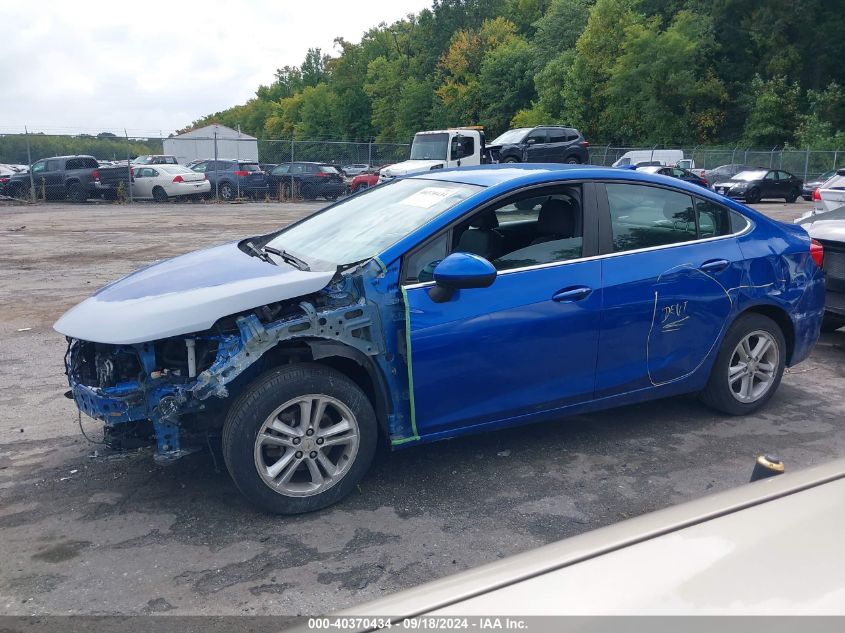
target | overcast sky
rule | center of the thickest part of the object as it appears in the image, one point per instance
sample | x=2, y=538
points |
x=158, y=65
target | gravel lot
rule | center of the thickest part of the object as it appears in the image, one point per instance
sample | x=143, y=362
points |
x=96, y=533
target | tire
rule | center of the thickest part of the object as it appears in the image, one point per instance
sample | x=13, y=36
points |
x=252, y=447
x=77, y=193
x=331, y=198
x=160, y=195
x=573, y=160
x=361, y=187
x=753, y=196
x=832, y=322
x=19, y=191
x=807, y=198
x=725, y=395
x=510, y=159
x=226, y=191
x=307, y=192
x=792, y=197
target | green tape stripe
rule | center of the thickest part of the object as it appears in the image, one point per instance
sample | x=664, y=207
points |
x=380, y=264
x=410, y=371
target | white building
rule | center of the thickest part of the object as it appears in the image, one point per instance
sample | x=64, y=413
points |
x=199, y=143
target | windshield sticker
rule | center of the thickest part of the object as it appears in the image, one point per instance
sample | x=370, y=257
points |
x=430, y=196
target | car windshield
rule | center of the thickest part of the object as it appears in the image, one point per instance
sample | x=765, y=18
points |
x=748, y=176
x=511, y=136
x=429, y=146
x=365, y=225
x=141, y=160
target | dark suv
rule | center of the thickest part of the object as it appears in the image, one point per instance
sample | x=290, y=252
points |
x=309, y=180
x=542, y=144
x=231, y=178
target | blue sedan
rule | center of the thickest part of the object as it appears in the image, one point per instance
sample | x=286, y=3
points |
x=455, y=302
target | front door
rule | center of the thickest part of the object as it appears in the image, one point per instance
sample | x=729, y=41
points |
x=527, y=343
x=536, y=147
x=669, y=284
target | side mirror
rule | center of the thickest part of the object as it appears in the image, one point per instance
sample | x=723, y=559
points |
x=460, y=270
x=531, y=141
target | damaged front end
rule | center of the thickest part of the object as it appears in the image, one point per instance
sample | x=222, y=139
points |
x=178, y=387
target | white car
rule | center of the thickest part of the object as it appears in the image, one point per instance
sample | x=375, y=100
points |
x=161, y=182
x=773, y=547
x=831, y=195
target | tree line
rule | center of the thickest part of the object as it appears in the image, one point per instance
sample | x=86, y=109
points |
x=104, y=146
x=623, y=71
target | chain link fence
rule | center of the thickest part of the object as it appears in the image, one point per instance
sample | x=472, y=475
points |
x=227, y=144
x=807, y=164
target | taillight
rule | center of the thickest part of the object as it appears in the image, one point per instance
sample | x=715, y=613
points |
x=585, y=143
x=241, y=173
x=817, y=195
x=322, y=174
x=131, y=172
x=178, y=179
x=704, y=180
x=96, y=175
x=817, y=252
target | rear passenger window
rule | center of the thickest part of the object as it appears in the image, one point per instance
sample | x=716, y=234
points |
x=713, y=219
x=642, y=217
x=557, y=136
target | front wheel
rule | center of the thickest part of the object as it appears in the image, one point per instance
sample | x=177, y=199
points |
x=792, y=197
x=510, y=160
x=749, y=366
x=753, y=196
x=300, y=438
x=572, y=160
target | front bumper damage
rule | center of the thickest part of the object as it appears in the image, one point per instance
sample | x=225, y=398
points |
x=127, y=384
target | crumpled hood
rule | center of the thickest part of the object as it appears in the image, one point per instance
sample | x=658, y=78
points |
x=828, y=225
x=185, y=294
x=410, y=167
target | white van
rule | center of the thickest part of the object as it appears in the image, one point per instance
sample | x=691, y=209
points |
x=663, y=156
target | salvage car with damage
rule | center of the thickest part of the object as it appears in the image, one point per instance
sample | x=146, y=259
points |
x=443, y=304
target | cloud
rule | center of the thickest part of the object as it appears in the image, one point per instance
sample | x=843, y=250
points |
x=157, y=66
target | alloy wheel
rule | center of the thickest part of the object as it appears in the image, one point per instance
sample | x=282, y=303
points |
x=306, y=445
x=753, y=366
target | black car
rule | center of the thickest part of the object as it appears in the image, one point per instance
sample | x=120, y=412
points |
x=543, y=144
x=308, y=180
x=829, y=230
x=233, y=178
x=756, y=184
x=675, y=172
x=809, y=187
x=726, y=172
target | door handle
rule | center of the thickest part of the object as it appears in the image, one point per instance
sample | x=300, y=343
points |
x=714, y=265
x=572, y=294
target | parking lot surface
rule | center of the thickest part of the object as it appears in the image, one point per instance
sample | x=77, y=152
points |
x=87, y=531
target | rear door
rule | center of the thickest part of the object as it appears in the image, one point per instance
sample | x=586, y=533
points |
x=669, y=285
x=54, y=176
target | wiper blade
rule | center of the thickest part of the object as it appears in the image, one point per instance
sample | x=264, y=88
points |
x=290, y=259
x=256, y=252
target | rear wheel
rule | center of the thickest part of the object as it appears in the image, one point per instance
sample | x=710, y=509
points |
x=300, y=438
x=749, y=366
x=76, y=192
x=159, y=194
x=573, y=160
x=793, y=196
x=510, y=159
x=226, y=191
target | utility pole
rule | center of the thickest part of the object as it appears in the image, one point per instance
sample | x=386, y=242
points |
x=216, y=183
x=128, y=167
x=29, y=159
